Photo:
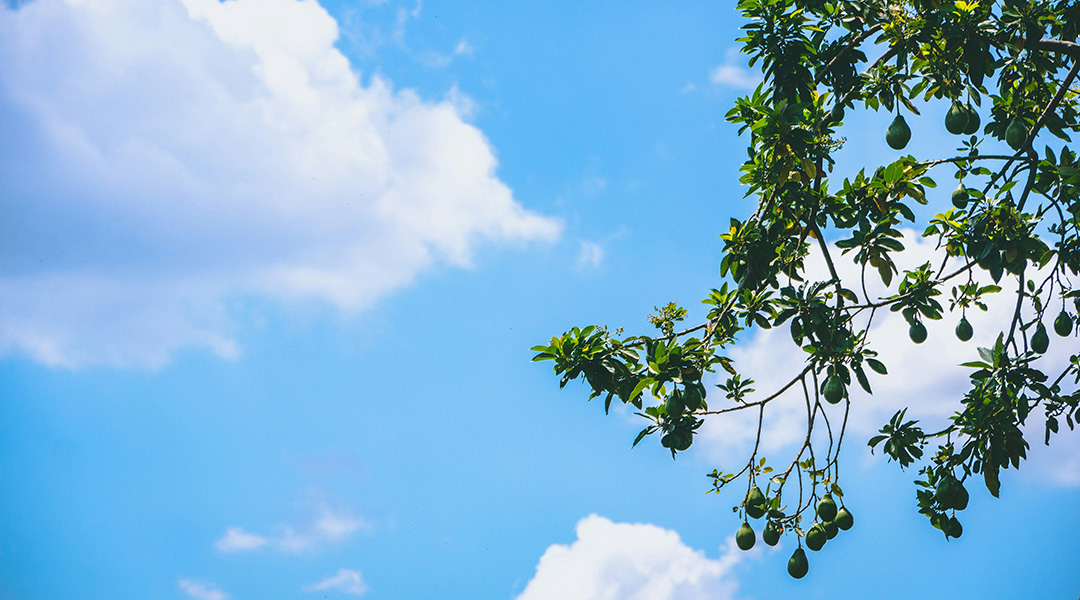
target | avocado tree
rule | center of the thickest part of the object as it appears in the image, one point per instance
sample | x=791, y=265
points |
x=1008, y=73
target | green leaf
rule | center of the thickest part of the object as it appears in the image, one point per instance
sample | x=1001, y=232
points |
x=990, y=476
x=642, y=434
x=861, y=376
x=877, y=366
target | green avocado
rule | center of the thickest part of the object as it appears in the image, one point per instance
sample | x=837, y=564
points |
x=826, y=508
x=755, y=503
x=816, y=537
x=973, y=121
x=945, y=493
x=837, y=114
x=956, y=119
x=831, y=529
x=692, y=398
x=899, y=134
x=1040, y=341
x=797, y=565
x=953, y=528
x=833, y=389
x=960, y=500
x=1016, y=133
x=960, y=197
x=963, y=330
x=745, y=537
x=844, y=520
x=675, y=405
x=1063, y=324
x=771, y=534
x=917, y=332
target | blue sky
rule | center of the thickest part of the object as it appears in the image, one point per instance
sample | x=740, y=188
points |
x=270, y=271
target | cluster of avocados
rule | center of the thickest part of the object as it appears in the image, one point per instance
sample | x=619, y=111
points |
x=830, y=520
x=951, y=495
x=962, y=119
x=1040, y=341
x=677, y=404
x=1063, y=326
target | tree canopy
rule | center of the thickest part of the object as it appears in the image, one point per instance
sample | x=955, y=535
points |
x=1007, y=71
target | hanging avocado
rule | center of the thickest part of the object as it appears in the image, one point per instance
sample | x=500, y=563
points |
x=831, y=529
x=816, y=537
x=826, y=508
x=960, y=197
x=844, y=520
x=963, y=330
x=1040, y=341
x=1016, y=133
x=755, y=503
x=771, y=534
x=837, y=115
x=797, y=565
x=917, y=332
x=953, y=528
x=898, y=134
x=960, y=498
x=745, y=537
x=973, y=122
x=956, y=119
x=1063, y=324
x=833, y=389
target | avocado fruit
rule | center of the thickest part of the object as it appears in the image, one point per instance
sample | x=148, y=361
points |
x=899, y=134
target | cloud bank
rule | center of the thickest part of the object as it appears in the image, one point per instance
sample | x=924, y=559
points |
x=165, y=160
x=629, y=561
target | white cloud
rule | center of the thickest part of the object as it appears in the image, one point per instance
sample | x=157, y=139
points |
x=163, y=159
x=202, y=590
x=926, y=377
x=438, y=59
x=345, y=580
x=463, y=48
x=324, y=528
x=238, y=540
x=590, y=255
x=733, y=73
x=629, y=561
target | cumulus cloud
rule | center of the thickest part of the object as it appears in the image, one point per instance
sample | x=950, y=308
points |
x=629, y=561
x=926, y=378
x=345, y=580
x=325, y=528
x=202, y=590
x=733, y=73
x=163, y=160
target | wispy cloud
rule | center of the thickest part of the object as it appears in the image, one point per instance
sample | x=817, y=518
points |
x=202, y=590
x=327, y=527
x=630, y=560
x=590, y=255
x=437, y=59
x=734, y=73
x=190, y=152
x=238, y=540
x=345, y=580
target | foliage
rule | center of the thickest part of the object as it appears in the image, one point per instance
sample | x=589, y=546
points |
x=1008, y=70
